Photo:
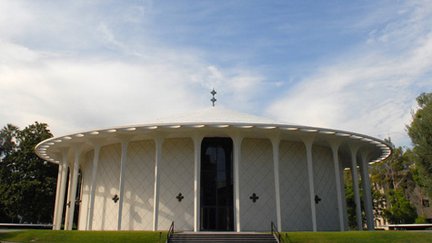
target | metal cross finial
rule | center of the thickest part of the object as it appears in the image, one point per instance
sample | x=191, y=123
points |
x=213, y=99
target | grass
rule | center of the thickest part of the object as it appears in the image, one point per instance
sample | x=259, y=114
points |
x=358, y=236
x=156, y=237
x=82, y=236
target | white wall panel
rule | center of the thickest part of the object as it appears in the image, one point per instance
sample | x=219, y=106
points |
x=257, y=176
x=86, y=172
x=325, y=188
x=139, y=183
x=176, y=176
x=107, y=183
x=294, y=188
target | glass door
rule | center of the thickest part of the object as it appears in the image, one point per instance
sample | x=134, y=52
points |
x=217, y=211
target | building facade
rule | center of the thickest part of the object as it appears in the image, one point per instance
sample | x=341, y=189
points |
x=213, y=170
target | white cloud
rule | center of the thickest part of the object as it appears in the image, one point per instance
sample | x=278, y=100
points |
x=74, y=70
x=373, y=90
x=12, y=53
x=85, y=65
x=236, y=86
x=73, y=94
x=14, y=18
x=88, y=93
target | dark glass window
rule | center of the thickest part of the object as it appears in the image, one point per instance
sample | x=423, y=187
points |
x=217, y=184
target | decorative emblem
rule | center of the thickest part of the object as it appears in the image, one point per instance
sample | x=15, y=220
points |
x=254, y=197
x=115, y=198
x=213, y=99
x=317, y=199
x=180, y=197
x=77, y=201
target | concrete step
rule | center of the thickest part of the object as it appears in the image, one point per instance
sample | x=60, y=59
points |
x=222, y=237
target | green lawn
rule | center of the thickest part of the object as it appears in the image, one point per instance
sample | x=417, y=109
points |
x=358, y=236
x=145, y=236
x=83, y=236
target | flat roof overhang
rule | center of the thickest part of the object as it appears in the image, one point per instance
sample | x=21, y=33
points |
x=51, y=149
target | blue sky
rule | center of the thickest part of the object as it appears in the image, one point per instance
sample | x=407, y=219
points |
x=80, y=65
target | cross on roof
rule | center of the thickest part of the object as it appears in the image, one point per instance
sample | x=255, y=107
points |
x=213, y=99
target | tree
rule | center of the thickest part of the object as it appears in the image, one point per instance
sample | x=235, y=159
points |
x=393, y=182
x=7, y=146
x=7, y=140
x=350, y=201
x=420, y=132
x=400, y=210
x=27, y=183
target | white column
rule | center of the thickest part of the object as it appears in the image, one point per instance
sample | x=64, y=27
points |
x=158, y=157
x=124, y=147
x=62, y=190
x=69, y=193
x=367, y=196
x=197, y=170
x=275, y=144
x=354, y=174
x=308, y=141
x=237, y=158
x=74, y=182
x=335, y=149
x=57, y=198
x=90, y=209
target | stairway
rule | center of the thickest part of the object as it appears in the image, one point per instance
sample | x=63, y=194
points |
x=211, y=237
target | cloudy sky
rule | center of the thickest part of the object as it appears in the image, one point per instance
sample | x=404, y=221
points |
x=80, y=65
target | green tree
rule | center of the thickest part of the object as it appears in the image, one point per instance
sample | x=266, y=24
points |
x=7, y=145
x=420, y=132
x=27, y=183
x=350, y=201
x=393, y=182
x=7, y=140
x=400, y=210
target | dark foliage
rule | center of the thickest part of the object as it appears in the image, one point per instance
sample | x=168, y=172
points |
x=27, y=183
x=420, y=132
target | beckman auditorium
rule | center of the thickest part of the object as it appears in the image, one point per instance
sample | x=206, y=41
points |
x=212, y=170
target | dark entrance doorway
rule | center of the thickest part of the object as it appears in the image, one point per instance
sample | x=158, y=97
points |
x=217, y=212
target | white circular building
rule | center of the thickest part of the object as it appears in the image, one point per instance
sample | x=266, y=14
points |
x=213, y=170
